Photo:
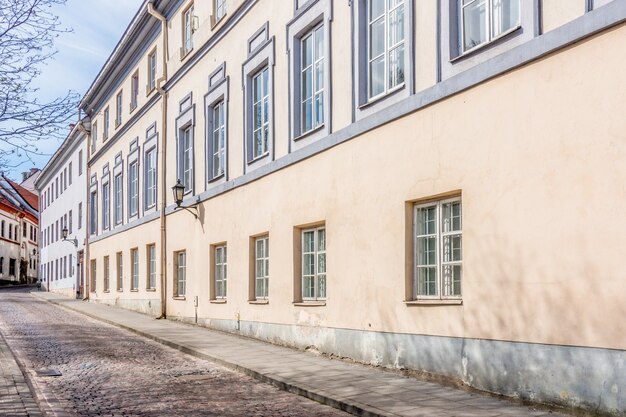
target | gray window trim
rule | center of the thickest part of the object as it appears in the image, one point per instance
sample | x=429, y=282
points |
x=263, y=56
x=118, y=169
x=454, y=61
x=310, y=14
x=93, y=208
x=151, y=143
x=187, y=118
x=105, y=180
x=133, y=158
x=362, y=106
x=218, y=91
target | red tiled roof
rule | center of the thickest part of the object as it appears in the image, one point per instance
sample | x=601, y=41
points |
x=30, y=198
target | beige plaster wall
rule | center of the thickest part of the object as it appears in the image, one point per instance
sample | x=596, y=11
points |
x=542, y=185
x=558, y=12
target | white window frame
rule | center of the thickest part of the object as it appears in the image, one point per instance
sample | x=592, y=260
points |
x=387, y=49
x=218, y=127
x=119, y=103
x=264, y=127
x=440, y=263
x=261, y=267
x=118, y=198
x=317, y=120
x=181, y=273
x=119, y=259
x=186, y=158
x=134, y=91
x=93, y=214
x=152, y=70
x=364, y=104
x=261, y=55
x=220, y=270
x=106, y=206
x=316, y=275
x=152, y=264
x=106, y=120
x=187, y=31
x=220, y=9
x=489, y=24
x=134, y=269
x=151, y=178
x=133, y=188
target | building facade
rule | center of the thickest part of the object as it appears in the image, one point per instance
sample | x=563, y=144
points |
x=431, y=185
x=19, y=229
x=62, y=186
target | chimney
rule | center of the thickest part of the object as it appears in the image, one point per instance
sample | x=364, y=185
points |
x=25, y=176
x=72, y=126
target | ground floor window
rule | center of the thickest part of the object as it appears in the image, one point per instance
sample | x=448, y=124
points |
x=261, y=266
x=93, y=275
x=220, y=270
x=180, y=276
x=134, y=267
x=106, y=273
x=120, y=271
x=438, y=236
x=314, y=264
x=151, y=249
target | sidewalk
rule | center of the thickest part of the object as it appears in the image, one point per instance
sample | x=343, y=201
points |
x=15, y=396
x=355, y=388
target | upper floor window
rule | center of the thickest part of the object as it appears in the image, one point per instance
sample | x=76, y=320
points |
x=106, y=206
x=220, y=9
x=385, y=45
x=438, y=249
x=482, y=21
x=118, y=109
x=150, y=178
x=105, y=129
x=80, y=215
x=80, y=162
x=187, y=31
x=260, y=113
x=218, y=138
x=134, y=90
x=118, y=190
x=93, y=213
x=186, y=158
x=69, y=172
x=94, y=137
x=312, y=79
x=133, y=189
x=152, y=65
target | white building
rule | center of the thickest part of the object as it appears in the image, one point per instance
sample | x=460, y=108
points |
x=62, y=188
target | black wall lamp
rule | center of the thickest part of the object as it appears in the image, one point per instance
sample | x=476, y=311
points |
x=65, y=239
x=179, y=192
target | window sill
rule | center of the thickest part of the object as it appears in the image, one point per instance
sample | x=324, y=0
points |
x=434, y=302
x=132, y=108
x=106, y=291
x=218, y=301
x=185, y=54
x=179, y=298
x=309, y=304
x=308, y=133
x=484, y=45
x=381, y=97
x=151, y=289
x=149, y=90
x=258, y=158
x=120, y=290
x=134, y=290
x=117, y=124
x=217, y=177
x=215, y=23
x=259, y=302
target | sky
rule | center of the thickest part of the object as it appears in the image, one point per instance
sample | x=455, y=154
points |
x=97, y=26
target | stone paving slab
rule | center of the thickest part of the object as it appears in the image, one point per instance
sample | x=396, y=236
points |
x=15, y=396
x=358, y=389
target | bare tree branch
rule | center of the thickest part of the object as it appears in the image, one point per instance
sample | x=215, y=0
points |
x=28, y=29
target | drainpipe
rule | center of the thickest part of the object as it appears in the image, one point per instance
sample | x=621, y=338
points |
x=87, y=263
x=163, y=94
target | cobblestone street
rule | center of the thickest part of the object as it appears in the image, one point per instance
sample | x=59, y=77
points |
x=108, y=371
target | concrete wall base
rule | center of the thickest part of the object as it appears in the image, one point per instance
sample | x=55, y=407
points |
x=592, y=379
x=151, y=307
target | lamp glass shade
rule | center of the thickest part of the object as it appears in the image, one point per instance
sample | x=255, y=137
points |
x=179, y=191
x=64, y=232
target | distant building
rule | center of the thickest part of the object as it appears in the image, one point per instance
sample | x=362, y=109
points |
x=62, y=187
x=19, y=230
x=28, y=179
